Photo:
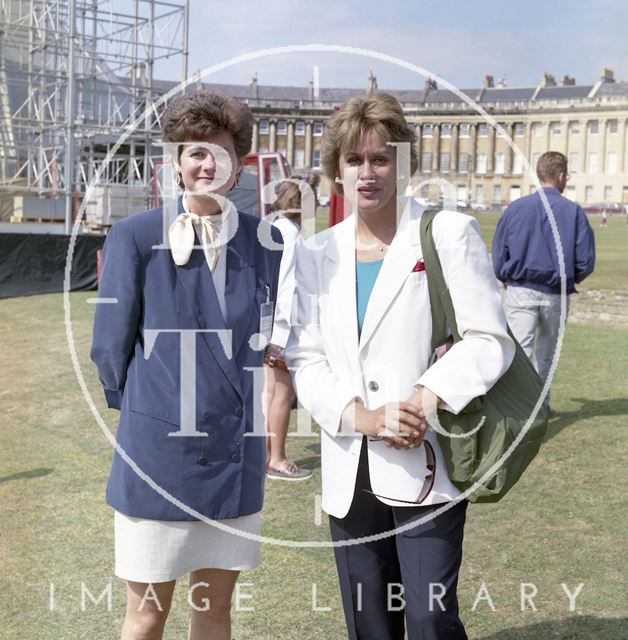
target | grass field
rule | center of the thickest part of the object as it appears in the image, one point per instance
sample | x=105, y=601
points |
x=564, y=523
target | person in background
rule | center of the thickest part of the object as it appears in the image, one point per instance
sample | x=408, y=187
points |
x=360, y=349
x=292, y=197
x=193, y=306
x=526, y=259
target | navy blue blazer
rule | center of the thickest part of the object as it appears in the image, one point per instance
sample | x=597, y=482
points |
x=220, y=475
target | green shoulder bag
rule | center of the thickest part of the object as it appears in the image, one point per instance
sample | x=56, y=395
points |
x=486, y=461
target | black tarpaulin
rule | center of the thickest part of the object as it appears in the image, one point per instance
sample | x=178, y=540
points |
x=35, y=263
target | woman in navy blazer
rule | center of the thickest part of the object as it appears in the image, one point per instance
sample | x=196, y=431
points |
x=178, y=354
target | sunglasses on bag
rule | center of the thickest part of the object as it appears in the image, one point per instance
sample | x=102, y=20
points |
x=428, y=482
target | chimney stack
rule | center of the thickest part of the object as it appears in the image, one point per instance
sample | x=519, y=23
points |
x=254, y=86
x=489, y=82
x=608, y=75
x=372, y=86
x=568, y=81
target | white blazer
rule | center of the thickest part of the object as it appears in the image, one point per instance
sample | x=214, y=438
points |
x=332, y=367
x=291, y=234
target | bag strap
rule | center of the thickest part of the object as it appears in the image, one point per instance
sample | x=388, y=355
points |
x=443, y=314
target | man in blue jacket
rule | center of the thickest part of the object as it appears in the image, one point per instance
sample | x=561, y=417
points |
x=526, y=260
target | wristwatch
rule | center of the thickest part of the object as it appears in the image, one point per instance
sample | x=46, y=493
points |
x=274, y=357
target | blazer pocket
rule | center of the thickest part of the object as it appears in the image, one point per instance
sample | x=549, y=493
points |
x=169, y=420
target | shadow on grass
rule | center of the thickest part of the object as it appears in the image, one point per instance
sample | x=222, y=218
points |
x=588, y=409
x=32, y=473
x=576, y=628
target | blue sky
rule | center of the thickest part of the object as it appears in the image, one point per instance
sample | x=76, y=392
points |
x=459, y=40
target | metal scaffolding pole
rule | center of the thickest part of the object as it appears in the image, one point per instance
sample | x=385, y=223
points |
x=69, y=131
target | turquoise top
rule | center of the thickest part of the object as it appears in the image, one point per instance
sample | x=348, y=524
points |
x=365, y=276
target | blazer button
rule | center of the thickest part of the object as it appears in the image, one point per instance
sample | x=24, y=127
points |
x=202, y=460
x=236, y=457
x=206, y=415
x=373, y=386
x=238, y=412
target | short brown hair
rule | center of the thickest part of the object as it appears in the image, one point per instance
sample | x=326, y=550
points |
x=380, y=113
x=199, y=115
x=289, y=195
x=549, y=165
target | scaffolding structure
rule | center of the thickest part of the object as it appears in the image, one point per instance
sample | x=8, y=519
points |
x=74, y=74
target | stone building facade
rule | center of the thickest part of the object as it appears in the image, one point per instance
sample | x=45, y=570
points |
x=462, y=149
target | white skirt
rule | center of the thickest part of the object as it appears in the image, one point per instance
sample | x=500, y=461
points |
x=163, y=550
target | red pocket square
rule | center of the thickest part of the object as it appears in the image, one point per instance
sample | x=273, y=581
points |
x=419, y=266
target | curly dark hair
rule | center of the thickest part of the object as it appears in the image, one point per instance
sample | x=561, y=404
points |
x=199, y=115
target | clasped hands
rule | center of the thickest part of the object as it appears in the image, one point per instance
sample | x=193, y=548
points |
x=401, y=425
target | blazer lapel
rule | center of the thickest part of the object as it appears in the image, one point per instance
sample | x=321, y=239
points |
x=240, y=287
x=196, y=280
x=340, y=253
x=398, y=264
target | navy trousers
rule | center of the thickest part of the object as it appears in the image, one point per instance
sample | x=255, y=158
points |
x=411, y=575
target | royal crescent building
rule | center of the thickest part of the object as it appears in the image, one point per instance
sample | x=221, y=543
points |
x=464, y=154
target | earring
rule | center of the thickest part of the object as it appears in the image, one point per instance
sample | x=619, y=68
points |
x=236, y=184
x=179, y=180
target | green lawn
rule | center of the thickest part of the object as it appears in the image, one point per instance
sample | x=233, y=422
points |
x=564, y=523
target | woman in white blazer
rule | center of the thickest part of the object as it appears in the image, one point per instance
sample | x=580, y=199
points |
x=280, y=396
x=359, y=351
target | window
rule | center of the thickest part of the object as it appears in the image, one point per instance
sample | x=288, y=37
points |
x=263, y=126
x=463, y=163
x=500, y=163
x=465, y=128
x=592, y=165
x=282, y=151
x=570, y=192
x=574, y=162
x=611, y=162
x=519, y=129
x=537, y=129
x=535, y=160
x=428, y=130
x=282, y=127
x=594, y=126
x=444, y=162
x=445, y=130
x=425, y=191
x=504, y=126
x=588, y=195
x=318, y=128
x=316, y=159
x=482, y=130
x=612, y=126
x=299, y=129
x=497, y=194
x=555, y=128
x=262, y=149
x=462, y=194
x=517, y=166
x=299, y=158
x=608, y=193
x=426, y=162
x=481, y=163
x=479, y=193
x=515, y=192
x=574, y=127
